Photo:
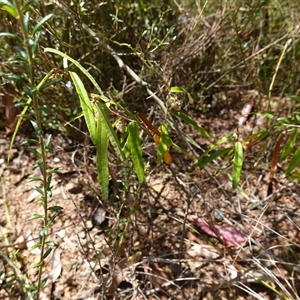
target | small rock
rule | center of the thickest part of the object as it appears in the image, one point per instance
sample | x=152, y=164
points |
x=89, y=225
x=98, y=216
x=73, y=188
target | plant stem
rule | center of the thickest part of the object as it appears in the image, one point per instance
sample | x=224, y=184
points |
x=31, y=68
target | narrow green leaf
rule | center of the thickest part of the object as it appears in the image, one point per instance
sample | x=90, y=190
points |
x=35, y=246
x=102, y=160
x=16, y=78
x=88, y=111
x=46, y=85
x=35, y=216
x=30, y=287
x=44, y=281
x=29, y=141
x=19, y=104
x=295, y=98
x=295, y=161
x=80, y=67
x=289, y=145
x=40, y=23
x=16, y=129
x=136, y=150
x=203, y=162
x=35, y=152
x=10, y=35
x=237, y=164
x=52, y=219
x=221, y=141
x=127, y=148
x=47, y=252
x=21, y=52
x=33, y=179
x=80, y=87
x=190, y=122
x=43, y=232
x=55, y=208
x=51, y=244
x=10, y=8
x=38, y=189
x=103, y=112
x=177, y=89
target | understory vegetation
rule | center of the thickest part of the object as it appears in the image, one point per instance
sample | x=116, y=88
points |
x=150, y=149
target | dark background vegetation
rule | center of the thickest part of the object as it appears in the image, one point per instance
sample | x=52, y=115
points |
x=206, y=47
x=219, y=54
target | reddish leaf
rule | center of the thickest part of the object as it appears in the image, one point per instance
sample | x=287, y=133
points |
x=229, y=235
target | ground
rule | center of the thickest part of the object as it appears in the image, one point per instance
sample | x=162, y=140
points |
x=144, y=243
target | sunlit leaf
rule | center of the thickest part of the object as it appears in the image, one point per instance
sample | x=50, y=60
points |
x=81, y=68
x=237, y=164
x=40, y=23
x=9, y=7
x=136, y=150
x=102, y=159
x=177, y=89
x=88, y=111
x=103, y=112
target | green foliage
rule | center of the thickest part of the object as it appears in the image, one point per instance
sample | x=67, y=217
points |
x=191, y=49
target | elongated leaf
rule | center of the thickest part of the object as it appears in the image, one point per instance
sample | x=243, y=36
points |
x=136, y=150
x=111, y=134
x=9, y=7
x=219, y=142
x=289, y=145
x=103, y=111
x=10, y=35
x=21, y=52
x=16, y=78
x=36, y=216
x=177, y=89
x=190, y=122
x=203, y=162
x=81, y=68
x=40, y=23
x=102, y=159
x=295, y=161
x=88, y=111
x=237, y=164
